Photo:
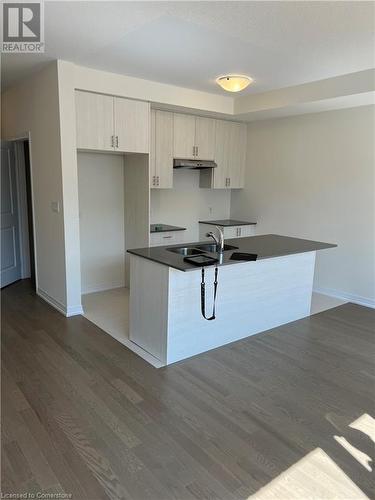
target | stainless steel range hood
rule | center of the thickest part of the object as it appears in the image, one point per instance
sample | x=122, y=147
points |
x=193, y=164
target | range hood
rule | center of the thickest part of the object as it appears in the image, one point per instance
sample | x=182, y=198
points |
x=193, y=164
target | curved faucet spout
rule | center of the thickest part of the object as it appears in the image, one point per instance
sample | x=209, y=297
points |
x=218, y=240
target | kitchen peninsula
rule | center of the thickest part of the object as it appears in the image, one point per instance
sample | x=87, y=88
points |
x=165, y=293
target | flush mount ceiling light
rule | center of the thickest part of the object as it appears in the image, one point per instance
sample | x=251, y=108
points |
x=234, y=83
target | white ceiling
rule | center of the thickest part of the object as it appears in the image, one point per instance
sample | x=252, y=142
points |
x=189, y=44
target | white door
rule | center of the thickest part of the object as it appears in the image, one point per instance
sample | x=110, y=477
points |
x=205, y=138
x=10, y=243
x=94, y=118
x=183, y=136
x=132, y=125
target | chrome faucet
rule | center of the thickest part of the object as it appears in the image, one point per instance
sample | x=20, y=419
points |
x=218, y=240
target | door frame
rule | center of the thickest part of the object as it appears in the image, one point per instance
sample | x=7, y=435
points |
x=22, y=213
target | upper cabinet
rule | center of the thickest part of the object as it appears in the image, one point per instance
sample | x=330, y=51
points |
x=94, y=116
x=183, y=136
x=204, y=138
x=230, y=157
x=107, y=123
x=132, y=125
x=194, y=137
x=161, y=154
x=237, y=154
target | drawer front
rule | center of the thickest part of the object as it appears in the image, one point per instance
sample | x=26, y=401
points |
x=166, y=238
x=239, y=231
x=229, y=231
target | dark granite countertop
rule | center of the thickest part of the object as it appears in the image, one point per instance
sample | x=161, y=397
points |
x=162, y=228
x=227, y=222
x=265, y=246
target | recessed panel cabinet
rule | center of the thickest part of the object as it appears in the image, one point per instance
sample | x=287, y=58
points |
x=161, y=153
x=107, y=123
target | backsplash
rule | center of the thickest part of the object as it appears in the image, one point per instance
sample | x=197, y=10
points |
x=187, y=203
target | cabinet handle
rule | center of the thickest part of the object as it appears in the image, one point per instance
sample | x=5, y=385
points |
x=196, y=150
x=112, y=141
x=229, y=181
x=116, y=141
x=153, y=180
x=157, y=178
x=167, y=237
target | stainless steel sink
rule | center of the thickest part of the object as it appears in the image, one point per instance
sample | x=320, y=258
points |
x=185, y=251
x=212, y=247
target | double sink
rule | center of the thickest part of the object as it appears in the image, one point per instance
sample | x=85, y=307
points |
x=199, y=249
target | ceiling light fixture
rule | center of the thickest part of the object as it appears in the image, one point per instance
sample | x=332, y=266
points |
x=234, y=83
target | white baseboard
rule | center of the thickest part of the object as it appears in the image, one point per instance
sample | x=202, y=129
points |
x=70, y=311
x=74, y=311
x=356, y=299
x=102, y=287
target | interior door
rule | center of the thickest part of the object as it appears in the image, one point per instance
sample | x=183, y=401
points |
x=10, y=242
x=205, y=138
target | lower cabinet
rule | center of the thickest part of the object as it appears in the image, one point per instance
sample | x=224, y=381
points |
x=166, y=238
x=229, y=231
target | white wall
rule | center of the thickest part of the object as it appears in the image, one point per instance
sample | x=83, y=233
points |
x=101, y=211
x=186, y=203
x=33, y=107
x=312, y=176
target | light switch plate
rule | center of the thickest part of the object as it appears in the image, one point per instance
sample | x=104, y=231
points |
x=55, y=206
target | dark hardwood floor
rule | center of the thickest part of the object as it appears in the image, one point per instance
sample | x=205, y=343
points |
x=85, y=416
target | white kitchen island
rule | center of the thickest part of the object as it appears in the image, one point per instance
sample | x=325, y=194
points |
x=165, y=298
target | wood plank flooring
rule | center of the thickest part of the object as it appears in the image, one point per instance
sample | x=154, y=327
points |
x=83, y=415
